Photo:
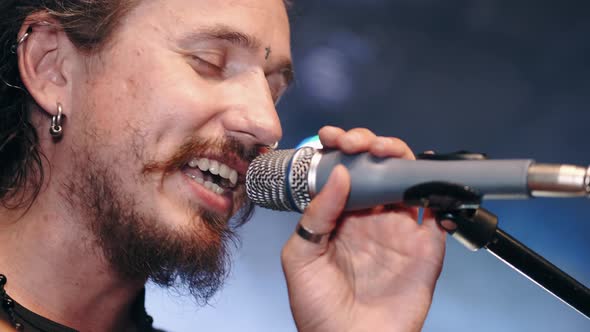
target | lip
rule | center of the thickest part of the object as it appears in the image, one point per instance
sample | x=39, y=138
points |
x=209, y=200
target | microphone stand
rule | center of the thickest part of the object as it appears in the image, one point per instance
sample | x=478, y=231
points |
x=474, y=227
x=540, y=271
x=457, y=210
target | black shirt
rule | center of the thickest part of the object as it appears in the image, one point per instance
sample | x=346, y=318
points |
x=13, y=313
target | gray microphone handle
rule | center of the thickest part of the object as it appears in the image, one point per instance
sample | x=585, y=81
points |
x=377, y=181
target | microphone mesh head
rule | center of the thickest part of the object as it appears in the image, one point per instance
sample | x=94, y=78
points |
x=299, y=176
x=278, y=180
x=266, y=180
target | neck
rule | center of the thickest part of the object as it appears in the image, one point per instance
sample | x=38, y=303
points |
x=55, y=269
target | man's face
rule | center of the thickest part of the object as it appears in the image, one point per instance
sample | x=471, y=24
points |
x=185, y=90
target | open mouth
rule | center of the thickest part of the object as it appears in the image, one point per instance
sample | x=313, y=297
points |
x=214, y=175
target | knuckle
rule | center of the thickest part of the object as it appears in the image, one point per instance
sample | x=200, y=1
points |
x=362, y=131
x=329, y=130
x=401, y=144
x=329, y=135
x=357, y=137
x=398, y=142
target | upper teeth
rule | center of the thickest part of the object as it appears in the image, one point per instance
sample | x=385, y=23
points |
x=215, y=167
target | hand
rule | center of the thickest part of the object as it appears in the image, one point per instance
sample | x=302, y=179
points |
x=379, y=268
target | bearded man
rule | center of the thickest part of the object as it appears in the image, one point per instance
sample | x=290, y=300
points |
x=126, y=130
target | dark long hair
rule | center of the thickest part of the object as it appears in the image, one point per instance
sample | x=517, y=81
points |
x=89, y=24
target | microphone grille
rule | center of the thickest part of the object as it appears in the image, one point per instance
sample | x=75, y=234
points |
x=266, y=180
x=298, y=177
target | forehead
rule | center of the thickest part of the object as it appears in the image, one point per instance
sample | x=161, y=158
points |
x=266, y=20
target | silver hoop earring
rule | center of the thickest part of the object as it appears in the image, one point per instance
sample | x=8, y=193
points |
x=56, y=129
x=274, y=146
x=21, y=40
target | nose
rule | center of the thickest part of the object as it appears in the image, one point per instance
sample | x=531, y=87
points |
x=250, y=114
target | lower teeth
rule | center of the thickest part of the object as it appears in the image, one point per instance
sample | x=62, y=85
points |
x=209, y=185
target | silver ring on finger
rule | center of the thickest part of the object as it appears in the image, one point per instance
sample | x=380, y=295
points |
x=311, y=236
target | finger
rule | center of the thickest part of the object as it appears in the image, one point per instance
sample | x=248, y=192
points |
x=356, y=140
x=401, y=208
x=429, y=222
x=329, y=136
x=391, y=147
x=320, y=216
x=322, y=213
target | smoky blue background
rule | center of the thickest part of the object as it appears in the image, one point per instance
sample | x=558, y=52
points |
x=505, y=77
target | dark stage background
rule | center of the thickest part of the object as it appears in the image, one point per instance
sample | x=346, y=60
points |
x=509, y=78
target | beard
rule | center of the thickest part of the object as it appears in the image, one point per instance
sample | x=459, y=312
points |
x=138, y=246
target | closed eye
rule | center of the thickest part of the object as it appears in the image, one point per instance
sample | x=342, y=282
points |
x=279, y=82
x=208, y=68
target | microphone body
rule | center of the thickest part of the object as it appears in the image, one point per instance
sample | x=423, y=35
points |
x=288, y=179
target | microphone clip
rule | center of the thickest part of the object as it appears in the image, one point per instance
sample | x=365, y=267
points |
x=457, y=155
x=457, y=210
x=456, y=207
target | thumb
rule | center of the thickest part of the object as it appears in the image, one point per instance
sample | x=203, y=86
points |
x=320, y=217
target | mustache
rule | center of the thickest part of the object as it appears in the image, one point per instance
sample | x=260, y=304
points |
x=229, y=147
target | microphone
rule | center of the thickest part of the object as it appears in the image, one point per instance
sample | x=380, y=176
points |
x=287, y=180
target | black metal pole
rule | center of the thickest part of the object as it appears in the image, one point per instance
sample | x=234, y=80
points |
x=541, y=271
x=457, y=210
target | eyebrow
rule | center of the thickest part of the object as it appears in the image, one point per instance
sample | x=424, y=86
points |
x=239, y=39
x=225, y=33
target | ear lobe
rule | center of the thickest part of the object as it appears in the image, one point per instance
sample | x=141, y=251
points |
x=41, y=59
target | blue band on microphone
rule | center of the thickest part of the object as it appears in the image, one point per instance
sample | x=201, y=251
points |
x=312, y=142
x=289, y=191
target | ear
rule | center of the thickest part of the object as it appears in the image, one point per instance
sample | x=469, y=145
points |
x=45, y=58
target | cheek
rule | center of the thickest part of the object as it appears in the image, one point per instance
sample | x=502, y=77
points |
x=115, y=87
x=104, y=128
x=163, y=105
x=114, y=103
